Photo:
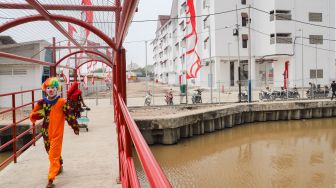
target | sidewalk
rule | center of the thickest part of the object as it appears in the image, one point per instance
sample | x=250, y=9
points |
x=90, y=159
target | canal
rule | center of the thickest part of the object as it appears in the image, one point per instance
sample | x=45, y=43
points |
x=298, y=153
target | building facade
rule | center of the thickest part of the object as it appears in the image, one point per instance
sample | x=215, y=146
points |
x=291, y=44
x=17, y=75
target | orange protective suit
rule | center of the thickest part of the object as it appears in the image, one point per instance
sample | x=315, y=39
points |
x=53, y=128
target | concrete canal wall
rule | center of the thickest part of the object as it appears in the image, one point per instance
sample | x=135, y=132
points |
x=170, y=128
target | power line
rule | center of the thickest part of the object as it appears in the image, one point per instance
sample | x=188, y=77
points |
x=294, y=20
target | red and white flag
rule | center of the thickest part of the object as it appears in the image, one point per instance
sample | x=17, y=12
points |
x=87, y=16
x=193, y=60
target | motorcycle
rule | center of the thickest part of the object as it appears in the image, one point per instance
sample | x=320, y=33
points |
x=169, y=98
x=197, y=97
x=148, y=99
x=265, y=94
x=243, y=97
x=282, y=94
x=317, y=92
x=293, y=94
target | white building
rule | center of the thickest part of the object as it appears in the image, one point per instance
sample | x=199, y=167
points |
x=275, y=36
x=17, y=75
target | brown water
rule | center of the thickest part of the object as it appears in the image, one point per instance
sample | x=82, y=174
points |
x=3, y=157
x=262, y=155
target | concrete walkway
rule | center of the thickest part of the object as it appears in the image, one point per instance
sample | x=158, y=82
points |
x=90, y=159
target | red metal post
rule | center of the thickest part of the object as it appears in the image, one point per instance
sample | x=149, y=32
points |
x=53, y=67
x=14, y=127
x=128, y=10
x=75, y=70
x=118, y=111
x=34, y=128
x=123, y=74
x=25, y=59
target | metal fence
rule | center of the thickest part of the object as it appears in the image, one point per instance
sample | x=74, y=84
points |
x=225, y=92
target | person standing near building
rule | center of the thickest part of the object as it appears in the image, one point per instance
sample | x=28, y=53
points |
x=54, y=110
x=333, y=89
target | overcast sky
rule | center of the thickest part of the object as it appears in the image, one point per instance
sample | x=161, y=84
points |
x=148, y=9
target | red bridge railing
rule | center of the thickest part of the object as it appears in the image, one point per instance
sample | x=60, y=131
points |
x=15, y=152
x=128, y=135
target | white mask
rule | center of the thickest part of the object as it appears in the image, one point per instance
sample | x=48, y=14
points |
x=51, y=92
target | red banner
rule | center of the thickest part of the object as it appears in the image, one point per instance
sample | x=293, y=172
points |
x=192, y=56
x=87, y=16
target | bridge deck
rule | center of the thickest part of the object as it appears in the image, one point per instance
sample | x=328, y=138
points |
x=90, y=159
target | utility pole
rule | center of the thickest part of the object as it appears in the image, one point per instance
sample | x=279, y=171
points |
x=146, y=68
x=250, y=58
x=302, y=71
x=211, y=74
x=316, y=64
x=237, y=33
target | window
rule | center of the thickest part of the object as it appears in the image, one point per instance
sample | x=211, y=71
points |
x=183, y=8
x=6, y=71
x=244, y=19
x=205, y=4
x=206, y=22
x=244, y=40
x=316, y=39
x=19, y=72
x=315, y=17
x=280, y=15
x=206, y=43
x=182, y=26
x=313, y=73
x=243, y=2
x=281, y=38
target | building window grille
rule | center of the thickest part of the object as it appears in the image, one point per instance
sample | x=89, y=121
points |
x=206, y=22
x=205, y=4
x=244, y=19
x=280, y=15
x=316, y=39
x=183, y=8
x=281, y=38
x=244, y=40
x=206, y=43
x=19, y=72
x=313, y=73
x=315, y=17
x=6, y=71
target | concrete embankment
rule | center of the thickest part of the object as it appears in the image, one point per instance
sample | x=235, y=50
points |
x=167, y=125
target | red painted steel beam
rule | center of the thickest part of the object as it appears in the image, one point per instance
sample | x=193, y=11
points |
x=59, y=7
x=25, y=59
x=86, y=51
x=128, y=9
x=75, y=47
x=154, y=173
x=91, y=60
x=39, y=8
x=62, y=18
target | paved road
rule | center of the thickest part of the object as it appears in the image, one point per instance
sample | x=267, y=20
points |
x=90, y=159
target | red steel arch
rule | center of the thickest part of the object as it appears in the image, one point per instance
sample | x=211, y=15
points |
x=99, y=60
x=57, y=17
x=86, y=51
